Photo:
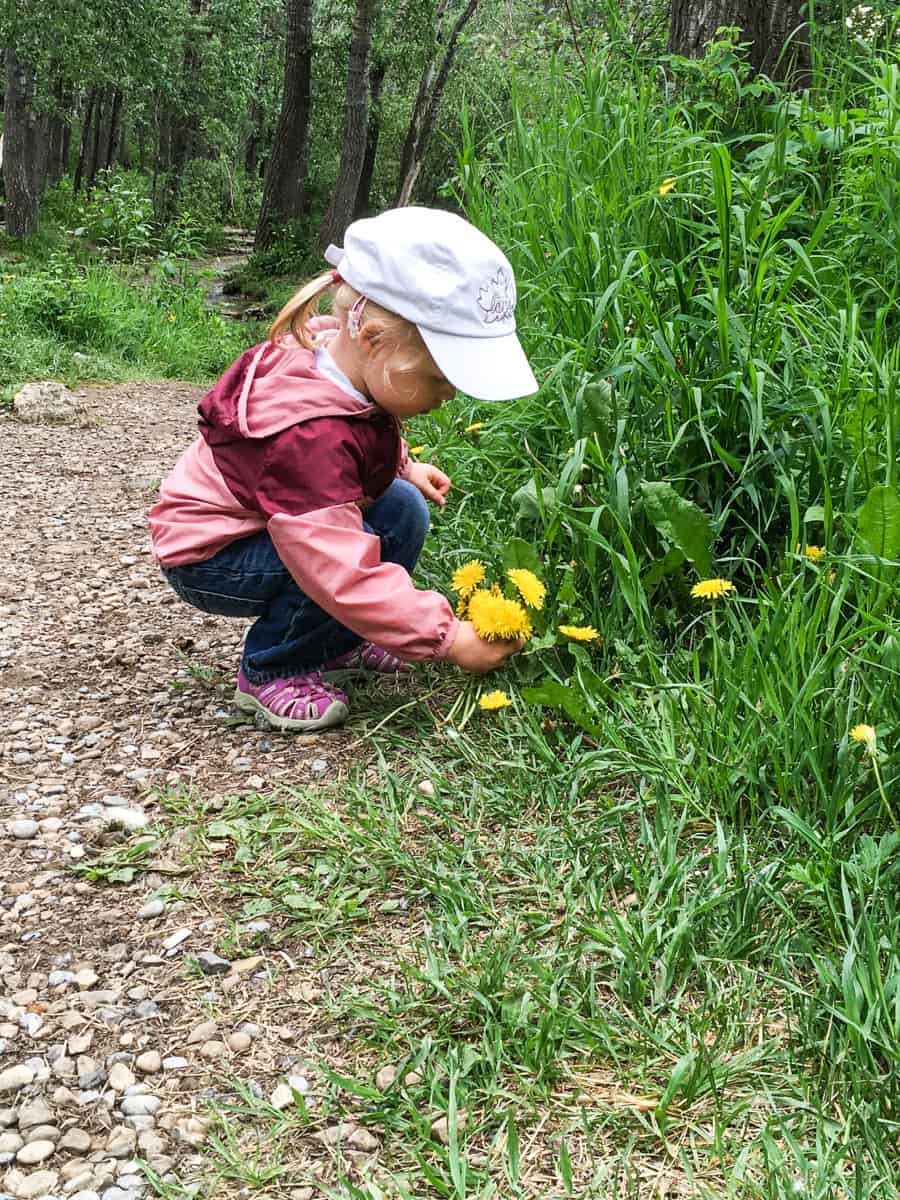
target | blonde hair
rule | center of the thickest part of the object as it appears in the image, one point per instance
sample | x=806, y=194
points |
x=399, y=338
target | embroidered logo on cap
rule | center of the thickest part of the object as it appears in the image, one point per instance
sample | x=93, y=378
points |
x=497, y=298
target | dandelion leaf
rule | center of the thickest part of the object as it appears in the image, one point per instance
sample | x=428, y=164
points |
x=517, y=554
x=528, y=507
x=551, y=694
x=878, y=522
x=680, y=522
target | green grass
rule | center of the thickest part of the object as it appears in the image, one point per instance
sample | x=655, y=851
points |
x=70, y=316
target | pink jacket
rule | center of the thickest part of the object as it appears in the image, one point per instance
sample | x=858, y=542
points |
x=283, y=448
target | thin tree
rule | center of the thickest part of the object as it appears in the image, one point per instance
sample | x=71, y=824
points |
x=21, y=148
x=353, y=147
x=284, y=190
x=428, y=98
x=777, y=33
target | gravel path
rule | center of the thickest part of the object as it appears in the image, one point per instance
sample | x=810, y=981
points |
x=111, y=690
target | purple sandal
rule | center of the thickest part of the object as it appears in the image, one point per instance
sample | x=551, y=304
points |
x=363, y=660
x=295, y=704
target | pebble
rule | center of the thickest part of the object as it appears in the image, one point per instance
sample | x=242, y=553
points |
x=14, y=1078
x=121, y=1142
x=212, y=964
x=426, y=787
x=38, y=1183
x=440, y=1131
x=10, y=1143
x=153, y=908
x=202, y=1033
x=24, y=830
x=174, y=1063
x=35, y=1152
x=174, y=940
x=38, y=1112
x=212, y=1050
x=76, y=1140
x=120, y=1077
x=239, y=1042
x=126, y=818
x=148, y=1063
x=140, y=1106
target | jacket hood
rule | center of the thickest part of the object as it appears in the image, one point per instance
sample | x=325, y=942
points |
x=270, y=388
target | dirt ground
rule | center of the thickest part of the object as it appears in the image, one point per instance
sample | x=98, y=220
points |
x=111, y=689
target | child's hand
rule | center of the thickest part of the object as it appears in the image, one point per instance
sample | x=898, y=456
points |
x=477, y=655
x=431, y=482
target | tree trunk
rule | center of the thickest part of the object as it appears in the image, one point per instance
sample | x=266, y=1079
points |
x=777, y=32
x=425, y=109
x=183, y=130
x=373, y=131
x=20, y=148
x=93, y=161
x=284, y=190
x=353, y=146
x=86, y=121
x=115, y=129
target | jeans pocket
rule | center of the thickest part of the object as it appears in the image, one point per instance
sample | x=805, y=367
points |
x=215, y=603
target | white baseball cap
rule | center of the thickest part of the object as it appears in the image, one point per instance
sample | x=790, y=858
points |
x=453, y=283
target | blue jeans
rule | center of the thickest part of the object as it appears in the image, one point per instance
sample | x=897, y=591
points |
x=291, y=634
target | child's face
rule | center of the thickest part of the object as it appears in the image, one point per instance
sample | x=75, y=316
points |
x=407, y=393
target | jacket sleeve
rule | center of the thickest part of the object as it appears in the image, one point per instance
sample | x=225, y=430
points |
x=338, y=565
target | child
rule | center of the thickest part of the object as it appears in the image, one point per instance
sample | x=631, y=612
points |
x=298, y=504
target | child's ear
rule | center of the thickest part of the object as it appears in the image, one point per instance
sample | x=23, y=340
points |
x=371, y=335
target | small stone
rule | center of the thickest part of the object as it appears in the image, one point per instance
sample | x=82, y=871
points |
x=117, y=1193
x=192, y=1130
x=120, y=1077
x=121, y=1143
x=426, y=787
x=385, y=1078
x=24, y=830
x=38, y=1112
x=238, y=1042
x=14, y=1078
x=148, y=1063
x=212, y=1050
x=440, y=1131
x=282, y=1097
x=140, y=1106
x=87, y=1194
x=361, y=1139
x=131, y=1182
x=38, y=1183
x=202, y=1033
x=46, y=1133
x=212, y=964
x=76, y=1140
x=35, y=1152
x=85, y=978
x=174, y=1062
x=126, y=818
x=10, y=1143
x=174, y=940
x=78, y=1183
x=80, y=1043
x=153, y=908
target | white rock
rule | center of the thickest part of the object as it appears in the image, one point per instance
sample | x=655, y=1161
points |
x=24, y=830
x=148, y=1063
x=120, y=1077
x=35, y=1152
x=14, y=1078
x=47, y=402
x=153, y=908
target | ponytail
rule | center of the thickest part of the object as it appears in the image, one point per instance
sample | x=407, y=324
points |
x=296, y=313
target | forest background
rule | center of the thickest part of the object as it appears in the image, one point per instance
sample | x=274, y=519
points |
x=672, y=883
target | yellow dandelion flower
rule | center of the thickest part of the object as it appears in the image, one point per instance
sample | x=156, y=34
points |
x=528, y=586
x=813, y=553
x=491, y=701
x=580, y=633
x=667, y=185
x=467, y=577
x=171, y=317
x=462, y=607
x=475, y=428
x=496, y=618
x=417, y=450
x=712, y=589
x=864, y=734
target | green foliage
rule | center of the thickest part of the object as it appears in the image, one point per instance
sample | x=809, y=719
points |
x=71, y=321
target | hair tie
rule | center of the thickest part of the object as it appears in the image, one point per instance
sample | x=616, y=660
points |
x=336, y=277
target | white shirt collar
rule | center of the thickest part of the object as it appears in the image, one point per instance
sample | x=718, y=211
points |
x=326, y=365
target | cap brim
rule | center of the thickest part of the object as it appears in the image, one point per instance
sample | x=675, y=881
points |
x=486, y=368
